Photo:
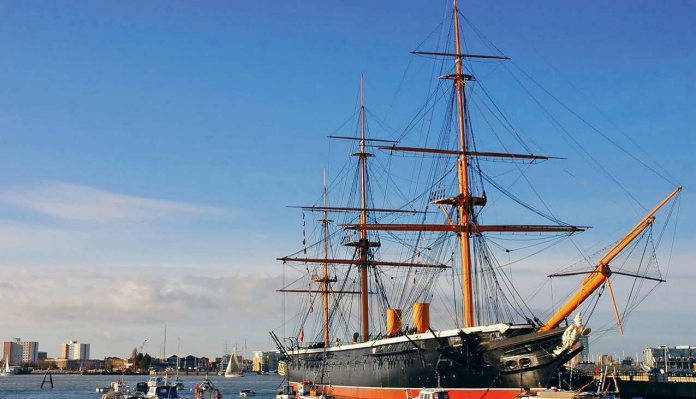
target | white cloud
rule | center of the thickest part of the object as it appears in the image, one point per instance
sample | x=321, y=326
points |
x=112, y=309
x=66, y=295
x=80, y=203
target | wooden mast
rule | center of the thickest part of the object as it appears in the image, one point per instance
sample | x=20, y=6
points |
x=464, y=226
x=325, y=275
x=463, y=206
x=602, y=271
x=362, y=259
x=364, y=244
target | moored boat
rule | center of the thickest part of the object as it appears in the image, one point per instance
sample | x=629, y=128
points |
x=497, y=347
x=119, y=390
x=233, y=369
x=161, y=388
x=7, y=370
x=433, y=393
x=206, y=389
x=115, y=386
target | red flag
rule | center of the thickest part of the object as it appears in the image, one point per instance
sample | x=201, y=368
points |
x=302, y=335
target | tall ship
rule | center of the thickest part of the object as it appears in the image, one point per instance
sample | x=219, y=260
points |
x=362, y=317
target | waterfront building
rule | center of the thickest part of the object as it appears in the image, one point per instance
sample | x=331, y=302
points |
x=162, y=364
x=30, y=351
x=83, y=364
x=173, y=362
x=64, y=364
x=189, y=363
x=585, y=354
x=203, y=364
x=74, y=350
x=115, y=364
x=19, y=351
x=265, y=361
x=12, y=350
x=678, y=358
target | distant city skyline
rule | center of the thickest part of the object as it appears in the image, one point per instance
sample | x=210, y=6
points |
x=149, y=150
x=27, y=351
x=19, y=352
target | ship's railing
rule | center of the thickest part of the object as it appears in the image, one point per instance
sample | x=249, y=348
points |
x=310, y=345
x=294, y=343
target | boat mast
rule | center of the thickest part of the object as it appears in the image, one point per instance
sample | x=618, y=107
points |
x=361, y=258
x=464, y=225
x=364, y=243
x=325, y=275
x=464, y=203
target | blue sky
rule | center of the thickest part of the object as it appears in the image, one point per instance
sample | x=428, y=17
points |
x=148, y=150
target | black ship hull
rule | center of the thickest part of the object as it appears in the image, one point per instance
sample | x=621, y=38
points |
x=495, y=361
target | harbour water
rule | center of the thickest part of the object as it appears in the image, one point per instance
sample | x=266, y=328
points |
x=84, y=386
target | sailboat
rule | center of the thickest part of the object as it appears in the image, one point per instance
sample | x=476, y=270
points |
x=4, y=372
x=233, y=367
x=497, y=347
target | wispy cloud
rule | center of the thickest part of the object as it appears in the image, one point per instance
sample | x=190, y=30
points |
x=81, y=203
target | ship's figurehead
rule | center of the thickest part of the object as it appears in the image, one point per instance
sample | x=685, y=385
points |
x=572, y=334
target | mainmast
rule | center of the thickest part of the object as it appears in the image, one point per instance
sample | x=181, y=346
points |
x=364, y=244
x=325, y=274
x=465, y=224
x=464, y=204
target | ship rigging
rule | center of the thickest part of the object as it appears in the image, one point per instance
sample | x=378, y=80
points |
x=487, y=348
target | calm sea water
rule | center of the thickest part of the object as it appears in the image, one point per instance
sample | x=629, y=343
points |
x=84, y=386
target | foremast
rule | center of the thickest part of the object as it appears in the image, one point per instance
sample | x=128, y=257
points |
x=363, y=257
x=325, y=266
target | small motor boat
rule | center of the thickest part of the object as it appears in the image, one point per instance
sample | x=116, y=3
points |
x=206, y=390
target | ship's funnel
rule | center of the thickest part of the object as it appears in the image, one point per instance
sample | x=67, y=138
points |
x=393, y=322
x=421, y=317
